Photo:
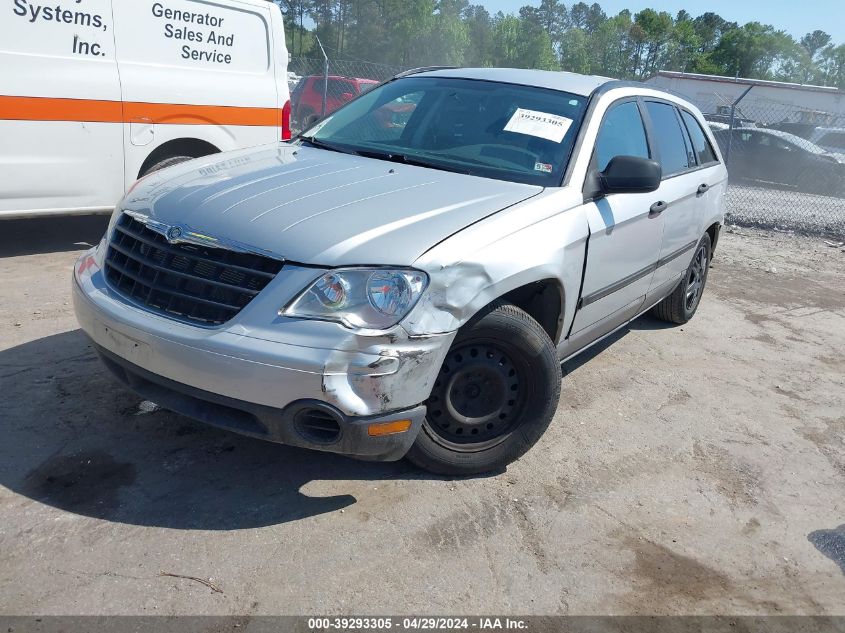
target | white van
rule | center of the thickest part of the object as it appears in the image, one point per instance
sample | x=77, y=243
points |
x=96, y=93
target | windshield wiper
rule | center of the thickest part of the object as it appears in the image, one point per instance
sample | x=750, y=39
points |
x=408, y=160
x=323, y=145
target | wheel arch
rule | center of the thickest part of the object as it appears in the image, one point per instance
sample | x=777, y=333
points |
x=539, y=292
x=543, y=300
x=713, y=231
x=193, y=147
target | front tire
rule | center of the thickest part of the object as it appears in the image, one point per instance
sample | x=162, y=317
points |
x=496, y=394
x=680, y=306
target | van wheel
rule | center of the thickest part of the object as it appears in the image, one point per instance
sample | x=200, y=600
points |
x=496, y=394
x=680, y=306
x=167, y=162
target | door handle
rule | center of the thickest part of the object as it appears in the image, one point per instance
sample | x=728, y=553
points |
x=702, y=189
x=657, y=208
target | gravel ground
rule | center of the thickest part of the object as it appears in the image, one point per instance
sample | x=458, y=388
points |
x=696, y=469
x=776, y=208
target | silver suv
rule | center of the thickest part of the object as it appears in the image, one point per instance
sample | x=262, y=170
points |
x=406, y=277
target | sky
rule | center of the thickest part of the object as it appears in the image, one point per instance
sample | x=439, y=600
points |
x=795, y=17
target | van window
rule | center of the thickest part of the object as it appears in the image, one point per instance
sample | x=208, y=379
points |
x=622, y=134
x=194, y=34
x=669, y=138
x=701, y=146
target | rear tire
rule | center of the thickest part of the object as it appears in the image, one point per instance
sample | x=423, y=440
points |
x=496, y=394
x=167, y=162
x=680, y=306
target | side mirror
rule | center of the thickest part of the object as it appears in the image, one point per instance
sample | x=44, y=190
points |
x=630, y=174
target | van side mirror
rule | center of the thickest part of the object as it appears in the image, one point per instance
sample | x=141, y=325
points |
x=630, y=174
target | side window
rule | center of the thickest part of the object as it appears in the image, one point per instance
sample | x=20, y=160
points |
x=833, y=139
x=700, y=144
x=669, y=138
x=622, y=133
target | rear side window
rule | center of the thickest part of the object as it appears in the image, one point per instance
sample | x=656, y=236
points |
x=833, y=139
x=669, y=138
x=622, y=134
x=700, y=145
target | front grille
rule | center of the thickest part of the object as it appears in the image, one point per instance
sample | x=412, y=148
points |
x=188, y=282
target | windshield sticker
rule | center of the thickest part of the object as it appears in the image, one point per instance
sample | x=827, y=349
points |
x=546, y=168
x=551, y=127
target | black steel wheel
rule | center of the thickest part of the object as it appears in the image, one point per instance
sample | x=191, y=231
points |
x=476, y=399
x=494, y=397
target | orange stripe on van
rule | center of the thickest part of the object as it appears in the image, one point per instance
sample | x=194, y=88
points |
x=93, y=111
x=49, y=109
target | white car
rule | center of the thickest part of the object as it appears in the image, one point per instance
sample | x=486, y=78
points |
x=409, y=285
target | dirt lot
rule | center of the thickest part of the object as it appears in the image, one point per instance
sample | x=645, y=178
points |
x=698, y=469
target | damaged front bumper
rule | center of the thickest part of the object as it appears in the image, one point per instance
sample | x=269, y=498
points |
x=305, y=383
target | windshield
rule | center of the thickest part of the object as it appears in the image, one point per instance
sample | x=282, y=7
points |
x=488, y=129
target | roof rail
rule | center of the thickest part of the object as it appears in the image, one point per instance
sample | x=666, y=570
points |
x=423, y=69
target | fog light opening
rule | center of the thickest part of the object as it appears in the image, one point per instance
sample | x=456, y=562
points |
x=318, y=426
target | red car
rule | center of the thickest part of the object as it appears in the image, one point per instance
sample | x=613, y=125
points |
x=307, y=97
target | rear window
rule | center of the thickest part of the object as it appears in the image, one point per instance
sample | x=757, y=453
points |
x=700, y=145
x=669, y=138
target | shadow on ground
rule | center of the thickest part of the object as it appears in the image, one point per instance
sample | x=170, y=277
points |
x=643, y=323
x=51, y=235
x=73, y=438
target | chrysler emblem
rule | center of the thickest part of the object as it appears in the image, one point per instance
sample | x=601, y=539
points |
x=174, y=233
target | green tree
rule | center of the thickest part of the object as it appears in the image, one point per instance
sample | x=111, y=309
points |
x=547, y=34
x=751, y=51
x=832, y=66
x=815, y=42
x=480, y=35
x=656, y=31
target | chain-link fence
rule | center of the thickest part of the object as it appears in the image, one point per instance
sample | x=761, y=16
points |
x=786, y=163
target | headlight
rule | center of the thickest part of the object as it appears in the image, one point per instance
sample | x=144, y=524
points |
x=361, y=298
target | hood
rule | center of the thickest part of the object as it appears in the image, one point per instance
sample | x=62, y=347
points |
x=321, y=207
